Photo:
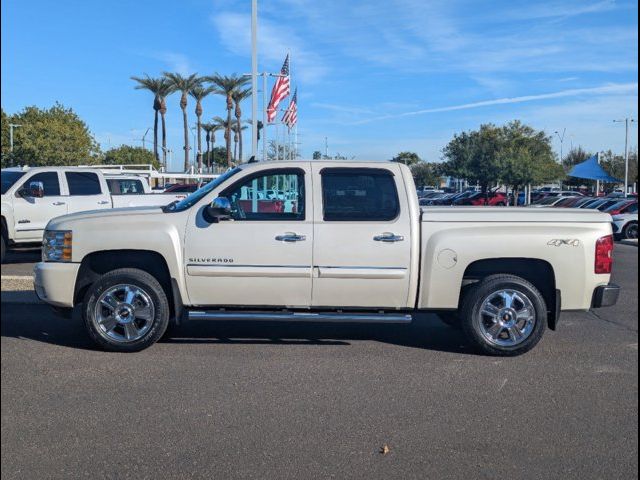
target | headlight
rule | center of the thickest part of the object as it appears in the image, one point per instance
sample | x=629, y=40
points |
x=56, y=246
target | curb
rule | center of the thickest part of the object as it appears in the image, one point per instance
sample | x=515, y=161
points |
x=18, y=289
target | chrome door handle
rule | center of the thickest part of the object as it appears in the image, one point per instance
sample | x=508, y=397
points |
x=103, y=202
x=388, y=237
x=291, y=237
x=58, y=203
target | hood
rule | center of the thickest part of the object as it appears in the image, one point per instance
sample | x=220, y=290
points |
x=66, y=221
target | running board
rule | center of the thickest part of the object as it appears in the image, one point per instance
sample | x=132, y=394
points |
x=302, y=317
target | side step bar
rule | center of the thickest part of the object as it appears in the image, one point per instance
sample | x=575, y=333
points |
x=301, y=317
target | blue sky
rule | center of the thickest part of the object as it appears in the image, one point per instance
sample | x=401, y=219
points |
x=374, y=77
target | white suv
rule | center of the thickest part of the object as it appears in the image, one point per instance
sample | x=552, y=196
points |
x=625, y=225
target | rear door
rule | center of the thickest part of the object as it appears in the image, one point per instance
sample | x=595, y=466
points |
x=86, y=192
x=32, y=214
x=362, y=245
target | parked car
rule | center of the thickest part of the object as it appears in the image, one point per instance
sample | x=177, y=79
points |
x=572, y=202
x=602, y=204
x=182, y=188
x=212, y=258
x=33, y=196
x=626, y=225
x=547, y=202
x=498, y=199
x=624, y=206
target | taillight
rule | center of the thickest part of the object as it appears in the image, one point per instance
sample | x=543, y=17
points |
x=604, y=254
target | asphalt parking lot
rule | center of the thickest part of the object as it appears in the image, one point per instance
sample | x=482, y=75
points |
x=255, y=400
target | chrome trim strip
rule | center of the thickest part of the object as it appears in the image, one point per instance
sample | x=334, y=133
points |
x=388, y=273
x=302, y=317
x=272, y=271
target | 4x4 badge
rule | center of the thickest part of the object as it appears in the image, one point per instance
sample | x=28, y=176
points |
x=558, y=242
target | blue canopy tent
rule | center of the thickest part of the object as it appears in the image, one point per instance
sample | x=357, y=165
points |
x=591, y=170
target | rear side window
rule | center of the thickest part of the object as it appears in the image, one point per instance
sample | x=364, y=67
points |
x=49, y=182
x=125, y=187
x=83, y=183
x=359, y=194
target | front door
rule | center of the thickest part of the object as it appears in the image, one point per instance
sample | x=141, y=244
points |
x=362, y=238
x=262, y=255
x=32, y=214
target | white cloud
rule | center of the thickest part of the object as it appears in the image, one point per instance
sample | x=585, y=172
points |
x=274, y=40
x=624, y=88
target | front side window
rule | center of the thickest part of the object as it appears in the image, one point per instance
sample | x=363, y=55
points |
x=49, y=182
x=9, y=178
x=274, y=195
x=359, y=194
x=83, y=183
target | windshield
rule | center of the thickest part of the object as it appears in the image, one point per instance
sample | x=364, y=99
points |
x=199, y=194
x=9, y=178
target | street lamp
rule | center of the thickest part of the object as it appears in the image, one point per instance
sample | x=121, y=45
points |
x=626, y=121
x=11, y=127
x=561, y=137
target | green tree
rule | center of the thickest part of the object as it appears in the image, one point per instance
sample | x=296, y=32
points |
x=4, y=141
x=425, y=174
x=614, y=165
x=474, y=156
x=317, y=155
x=210, y=139
x=226, y=85
x=184, y=84
x=160, y=88
x=199, y=93
x=276, y=151
x=408, y=158
x=54, y=137
x=527, y=157
x=128, y=155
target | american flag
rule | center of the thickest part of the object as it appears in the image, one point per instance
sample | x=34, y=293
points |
x=280, y=91
x=291, y=115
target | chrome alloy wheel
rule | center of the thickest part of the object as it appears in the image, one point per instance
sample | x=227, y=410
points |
x=124, y=313
x=506, y=318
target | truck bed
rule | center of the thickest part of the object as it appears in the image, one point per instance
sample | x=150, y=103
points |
x=512, y=215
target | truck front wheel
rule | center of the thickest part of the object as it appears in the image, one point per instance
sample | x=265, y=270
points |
x=504, y=315
x=126, y=310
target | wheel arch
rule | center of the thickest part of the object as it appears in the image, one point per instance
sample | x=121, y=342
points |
x=539, y=273
x=96, y=264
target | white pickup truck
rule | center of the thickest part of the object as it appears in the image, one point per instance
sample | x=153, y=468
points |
x=349, y=244
x=33, y=196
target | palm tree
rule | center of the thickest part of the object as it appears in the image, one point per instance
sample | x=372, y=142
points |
x=227, y=126
x=210, y=138
x=198, y=93
x=237, y=139
x=164, y=93
x=184, y=85
x=226, y=85
x=238, y=96
x=160, y=87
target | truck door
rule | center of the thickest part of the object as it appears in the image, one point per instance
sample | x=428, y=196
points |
x=32, y=214
x=262, y=255
x=86, y=192
x=362, y=245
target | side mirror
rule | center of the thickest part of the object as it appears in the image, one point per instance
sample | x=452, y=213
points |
x=35, y=190
x=220, y=209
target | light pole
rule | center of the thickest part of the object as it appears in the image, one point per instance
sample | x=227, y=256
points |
x=561, y=137
x=11, y=127
x=626, y=121
x=254, y=77
x=144, y=136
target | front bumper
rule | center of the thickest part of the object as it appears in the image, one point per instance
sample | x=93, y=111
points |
x=605, y=295
x=54, y=283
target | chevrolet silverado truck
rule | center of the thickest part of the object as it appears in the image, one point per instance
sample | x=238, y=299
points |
x=345, y=242
x=33, y=196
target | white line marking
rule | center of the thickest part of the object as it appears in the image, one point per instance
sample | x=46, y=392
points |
x=16, y=277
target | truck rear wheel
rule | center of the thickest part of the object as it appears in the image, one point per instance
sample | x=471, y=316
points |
x=504, y=315
x=126, y=310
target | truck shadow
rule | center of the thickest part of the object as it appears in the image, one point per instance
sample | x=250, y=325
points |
x=22, y=255
x=39, y=323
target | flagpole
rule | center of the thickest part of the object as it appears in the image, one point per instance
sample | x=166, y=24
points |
x=254, y=78
x=265, y=105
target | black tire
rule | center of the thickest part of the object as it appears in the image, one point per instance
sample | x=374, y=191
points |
x=141, y=280
x=630, y=231
x=471, y=319
x=450, y=319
